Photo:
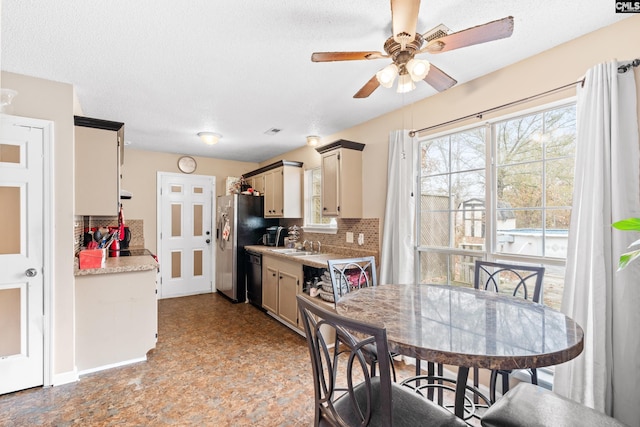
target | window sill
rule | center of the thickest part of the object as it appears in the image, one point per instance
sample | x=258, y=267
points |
x=319, y=229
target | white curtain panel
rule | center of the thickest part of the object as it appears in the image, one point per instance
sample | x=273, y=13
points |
x=606, y=303
x=397, y=258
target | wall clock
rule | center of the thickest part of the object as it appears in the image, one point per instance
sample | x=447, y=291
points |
x=187, y=164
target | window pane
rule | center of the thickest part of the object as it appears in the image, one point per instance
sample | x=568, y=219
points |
x=434, y=156
x=438, y=268
x=519, y=140
x=520, y=185
x=468, y=150
x=559, y=182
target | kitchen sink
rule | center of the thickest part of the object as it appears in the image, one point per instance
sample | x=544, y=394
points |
x=291, y=252
x=283, y=250
x=300, y=253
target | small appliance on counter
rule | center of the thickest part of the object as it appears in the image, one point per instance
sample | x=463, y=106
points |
x=275, y=236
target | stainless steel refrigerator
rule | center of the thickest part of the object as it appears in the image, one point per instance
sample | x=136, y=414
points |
x=239, y=222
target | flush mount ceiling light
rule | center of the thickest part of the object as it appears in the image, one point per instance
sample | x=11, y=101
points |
x=209, y=138
x=313, y=140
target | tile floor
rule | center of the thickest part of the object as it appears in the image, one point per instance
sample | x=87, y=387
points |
x=215, y=364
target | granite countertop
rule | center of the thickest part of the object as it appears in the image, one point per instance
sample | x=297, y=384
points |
x=122, y=264
x=318, y=260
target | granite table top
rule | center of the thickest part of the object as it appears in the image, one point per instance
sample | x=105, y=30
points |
x=466, y=327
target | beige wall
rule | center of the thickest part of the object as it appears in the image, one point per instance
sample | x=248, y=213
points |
x=47, y=100
x=139, y=177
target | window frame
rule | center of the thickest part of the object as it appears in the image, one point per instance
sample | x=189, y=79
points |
x=310, y=227
x=489, y=252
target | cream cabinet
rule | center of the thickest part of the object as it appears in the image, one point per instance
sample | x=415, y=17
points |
x=281, y=283
x=99, y=154
x=341, y=166
x=257, y=183
x=282, y=188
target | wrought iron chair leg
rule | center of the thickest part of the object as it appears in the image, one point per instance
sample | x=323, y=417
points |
x=492, y=386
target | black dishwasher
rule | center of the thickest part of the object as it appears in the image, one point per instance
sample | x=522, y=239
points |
x=254, y=278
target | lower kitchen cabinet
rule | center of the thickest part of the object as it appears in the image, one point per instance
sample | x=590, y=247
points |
x=116, y=319
x=282, y=281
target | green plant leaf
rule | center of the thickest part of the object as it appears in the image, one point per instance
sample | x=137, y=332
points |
x=627, y=224
x=626, y=258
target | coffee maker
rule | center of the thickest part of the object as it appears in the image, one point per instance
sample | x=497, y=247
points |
x=275, y=236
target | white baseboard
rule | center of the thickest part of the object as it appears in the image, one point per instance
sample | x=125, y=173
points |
x=65, y=378
x=113, y=365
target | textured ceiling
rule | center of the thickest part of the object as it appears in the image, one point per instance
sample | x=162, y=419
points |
x=169, y=69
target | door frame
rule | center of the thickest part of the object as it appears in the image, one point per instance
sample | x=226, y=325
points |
x=159, y=176
x=48, y=223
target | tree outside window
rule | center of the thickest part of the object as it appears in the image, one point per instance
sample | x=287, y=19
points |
x=501, y=191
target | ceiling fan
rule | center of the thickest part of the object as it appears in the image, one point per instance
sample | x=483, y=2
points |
x=406, y=43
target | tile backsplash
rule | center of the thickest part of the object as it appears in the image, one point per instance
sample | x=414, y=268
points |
x=136, y=226
x=337, y=243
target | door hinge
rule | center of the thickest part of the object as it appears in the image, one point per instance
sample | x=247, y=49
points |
x=156, y=335
x=338, y=156
x=338, y=208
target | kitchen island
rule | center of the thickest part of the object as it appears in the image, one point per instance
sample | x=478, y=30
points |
x=116, y=312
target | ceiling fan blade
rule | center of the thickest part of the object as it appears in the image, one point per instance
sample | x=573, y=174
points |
x=494, y=30
x=368, y=88
x=404, y=18
x=345, y=56
x=439, y=79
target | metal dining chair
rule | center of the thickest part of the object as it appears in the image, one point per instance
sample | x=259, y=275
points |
x=368, y=400
x=519, y=281
x=351, y=274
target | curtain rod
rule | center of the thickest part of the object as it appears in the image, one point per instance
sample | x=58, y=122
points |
x=624, y=68
x=479, y=115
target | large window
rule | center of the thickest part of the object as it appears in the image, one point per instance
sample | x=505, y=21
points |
x=500, y=191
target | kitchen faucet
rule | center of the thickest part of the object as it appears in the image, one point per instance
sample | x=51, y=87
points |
x=319, y=246
x=304, y=245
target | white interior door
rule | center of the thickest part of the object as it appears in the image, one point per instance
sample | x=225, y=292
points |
x=21, y=255
x=185, y=206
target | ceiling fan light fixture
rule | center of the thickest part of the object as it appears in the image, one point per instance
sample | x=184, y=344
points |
x=209, y=138
x=418, y=69
x=313, y=140
x=405, y=84
x=387, y=75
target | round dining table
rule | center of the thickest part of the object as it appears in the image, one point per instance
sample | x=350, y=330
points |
x=466, y=327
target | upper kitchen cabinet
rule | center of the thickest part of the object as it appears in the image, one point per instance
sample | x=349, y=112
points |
x=99, y=153
x=282, y=188
x=341, y=166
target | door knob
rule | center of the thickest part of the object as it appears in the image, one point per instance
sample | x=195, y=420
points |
x=31, y=272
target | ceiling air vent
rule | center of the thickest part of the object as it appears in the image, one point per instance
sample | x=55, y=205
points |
x=435, y=33
x=272, y=131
